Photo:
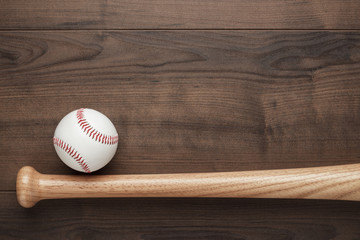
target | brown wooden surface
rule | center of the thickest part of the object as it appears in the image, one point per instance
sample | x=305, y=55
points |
x=156, y=218
x=182, y=101
x=180, y=14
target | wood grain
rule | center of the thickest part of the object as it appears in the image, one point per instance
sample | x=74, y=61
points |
x=198, y=101
x=183, y=14
x=340, y=182
x=264, y=85
x=157, y=218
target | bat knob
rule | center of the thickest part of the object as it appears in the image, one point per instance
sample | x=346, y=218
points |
x=27, y=187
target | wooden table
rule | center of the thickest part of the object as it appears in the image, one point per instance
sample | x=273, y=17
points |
x=191, y=86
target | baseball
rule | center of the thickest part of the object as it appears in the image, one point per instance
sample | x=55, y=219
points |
x=85, y=140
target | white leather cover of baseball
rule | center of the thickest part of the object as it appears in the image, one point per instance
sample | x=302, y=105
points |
x=85, y=140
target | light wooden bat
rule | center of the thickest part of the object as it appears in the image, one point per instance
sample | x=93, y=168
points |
x=340, y=182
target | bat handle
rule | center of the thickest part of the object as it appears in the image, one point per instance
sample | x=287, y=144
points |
x=340, y=182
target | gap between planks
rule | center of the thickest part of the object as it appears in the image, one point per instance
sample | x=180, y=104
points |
x=184, y=29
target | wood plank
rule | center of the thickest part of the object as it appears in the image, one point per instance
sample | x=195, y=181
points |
x=196, y=101
x=179, y=219
x=183, y=14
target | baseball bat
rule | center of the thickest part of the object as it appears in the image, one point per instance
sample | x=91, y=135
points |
x=340, y=182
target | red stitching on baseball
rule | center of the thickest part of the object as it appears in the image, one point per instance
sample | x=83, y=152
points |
x=72, y=152
x=92, y=132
